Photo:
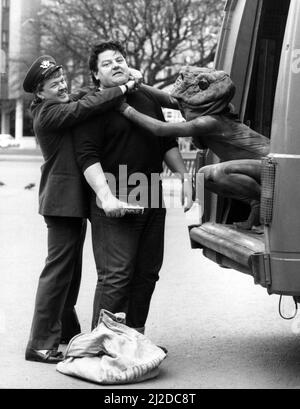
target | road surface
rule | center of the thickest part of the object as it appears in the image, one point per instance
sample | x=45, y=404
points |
x=221, y=330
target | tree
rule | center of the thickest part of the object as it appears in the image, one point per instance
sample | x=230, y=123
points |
x=159, y=36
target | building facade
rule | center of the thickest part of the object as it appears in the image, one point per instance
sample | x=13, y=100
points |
x=20, y=44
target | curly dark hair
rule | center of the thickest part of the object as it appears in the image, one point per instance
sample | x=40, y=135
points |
x=100, y=48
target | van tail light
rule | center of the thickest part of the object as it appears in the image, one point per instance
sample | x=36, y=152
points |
x=267, y=190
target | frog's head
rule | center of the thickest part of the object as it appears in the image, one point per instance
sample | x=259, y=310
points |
x=202, y=91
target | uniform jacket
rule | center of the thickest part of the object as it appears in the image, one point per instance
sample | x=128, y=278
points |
x=62, y=188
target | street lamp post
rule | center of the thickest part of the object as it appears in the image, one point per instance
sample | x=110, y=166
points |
x=19, y=115
x=19, y=120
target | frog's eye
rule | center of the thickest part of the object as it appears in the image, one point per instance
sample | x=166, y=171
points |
x=181, y=77
x=203, y=84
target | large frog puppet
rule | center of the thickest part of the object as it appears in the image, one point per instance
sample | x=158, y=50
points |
x=203, y=96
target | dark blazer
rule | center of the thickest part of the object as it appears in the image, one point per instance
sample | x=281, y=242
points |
x=62, y=188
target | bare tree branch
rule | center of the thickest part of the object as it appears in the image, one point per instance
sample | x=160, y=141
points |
x=159, y=36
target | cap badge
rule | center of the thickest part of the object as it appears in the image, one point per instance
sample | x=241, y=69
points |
x=46, y=64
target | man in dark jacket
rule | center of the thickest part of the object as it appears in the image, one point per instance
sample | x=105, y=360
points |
x=62, y=202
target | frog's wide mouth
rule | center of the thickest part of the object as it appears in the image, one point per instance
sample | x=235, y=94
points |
x=212, y=84
x=191, y=111
x=200, y=106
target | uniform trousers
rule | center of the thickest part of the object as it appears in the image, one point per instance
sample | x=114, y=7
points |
x=128, y=253
x=54, y=313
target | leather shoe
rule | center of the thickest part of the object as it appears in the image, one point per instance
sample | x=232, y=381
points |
x=52, y=356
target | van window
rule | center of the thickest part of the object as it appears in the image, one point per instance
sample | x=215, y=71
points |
x=260, y=101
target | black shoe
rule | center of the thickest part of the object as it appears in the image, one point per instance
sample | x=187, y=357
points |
x=50, y=357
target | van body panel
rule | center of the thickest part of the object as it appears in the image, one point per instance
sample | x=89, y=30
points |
x=285, y=137
x=284, y=230
x=285, y=273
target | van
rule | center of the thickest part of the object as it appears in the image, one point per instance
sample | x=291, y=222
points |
x=259, y=47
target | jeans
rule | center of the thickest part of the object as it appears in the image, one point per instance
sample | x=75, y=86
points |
x=128, y=253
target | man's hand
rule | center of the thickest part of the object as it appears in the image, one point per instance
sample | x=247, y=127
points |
x=122, y=106
x=112, y=206
x=187, y=193
x=136, y=75
x=135, y=80
x=131, y=85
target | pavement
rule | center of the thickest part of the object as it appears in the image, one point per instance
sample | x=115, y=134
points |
x=20, y=154
x=221, y=330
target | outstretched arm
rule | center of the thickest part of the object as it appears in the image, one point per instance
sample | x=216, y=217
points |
x=197, y=127
x=56, y=116
x=174, y=161
x=163, y=98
